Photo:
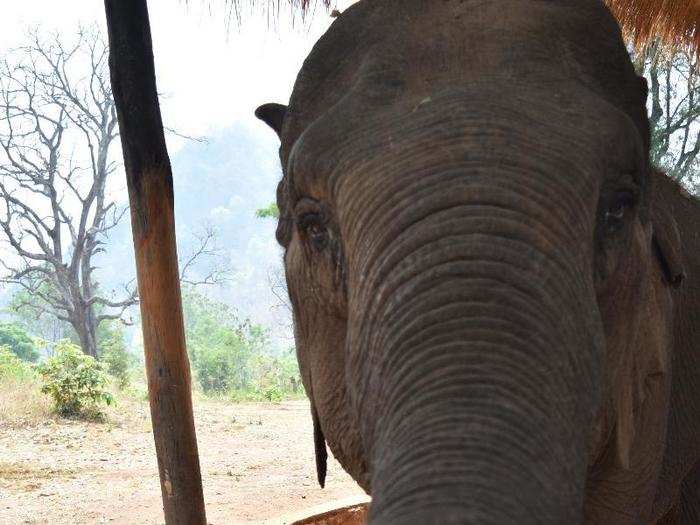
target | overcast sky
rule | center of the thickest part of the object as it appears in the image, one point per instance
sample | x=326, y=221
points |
x=211, y=73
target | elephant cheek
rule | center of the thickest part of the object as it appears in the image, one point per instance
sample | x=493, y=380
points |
x=320, y=343
x=636, y=312
x=330, y=397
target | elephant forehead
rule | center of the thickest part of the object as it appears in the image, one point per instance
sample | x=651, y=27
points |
x=400, y=49
x=477, y=131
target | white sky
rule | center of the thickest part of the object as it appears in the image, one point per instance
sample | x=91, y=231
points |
x=210, y=73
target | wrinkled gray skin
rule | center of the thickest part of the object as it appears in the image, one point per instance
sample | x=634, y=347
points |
x=495, y=298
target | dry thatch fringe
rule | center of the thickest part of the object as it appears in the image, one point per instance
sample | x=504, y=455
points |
x=233, y=10
x=302, y=4
x=675, y=22
x=233, y=7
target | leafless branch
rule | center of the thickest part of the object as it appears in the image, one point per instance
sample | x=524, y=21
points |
x=171, y=131
x=205, y=254
x=674, y=93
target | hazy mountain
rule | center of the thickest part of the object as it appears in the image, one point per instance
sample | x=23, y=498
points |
x=222, y=183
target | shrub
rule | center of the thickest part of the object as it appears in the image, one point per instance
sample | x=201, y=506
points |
x=220, y=345
x=273, y=394
x=12, y=366
x=116, y=357
x=215, y=368
x=14, y=337
x=76, y=382
x=270, y=211
x=276, y=377
x=232, y=356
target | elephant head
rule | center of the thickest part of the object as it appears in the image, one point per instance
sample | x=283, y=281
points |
x=479, y=279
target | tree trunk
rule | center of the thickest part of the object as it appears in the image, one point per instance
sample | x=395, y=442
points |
x=90, y=320
x=86, y=331
x=149, y=180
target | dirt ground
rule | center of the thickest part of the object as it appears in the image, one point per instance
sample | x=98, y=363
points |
x=257, y=464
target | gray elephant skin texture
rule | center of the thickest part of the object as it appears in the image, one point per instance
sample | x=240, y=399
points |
x=495, y=296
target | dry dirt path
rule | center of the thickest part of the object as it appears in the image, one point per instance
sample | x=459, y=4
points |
x=257, y=464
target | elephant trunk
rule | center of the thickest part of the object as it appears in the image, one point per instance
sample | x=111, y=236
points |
x=476, y=346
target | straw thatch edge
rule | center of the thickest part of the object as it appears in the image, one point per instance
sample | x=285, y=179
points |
x=676, y=23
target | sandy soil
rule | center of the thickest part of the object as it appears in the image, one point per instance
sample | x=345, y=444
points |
x=257, y=464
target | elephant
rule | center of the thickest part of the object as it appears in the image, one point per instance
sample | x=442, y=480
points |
x=495, y=295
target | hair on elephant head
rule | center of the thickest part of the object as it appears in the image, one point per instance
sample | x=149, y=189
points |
x=490, y=285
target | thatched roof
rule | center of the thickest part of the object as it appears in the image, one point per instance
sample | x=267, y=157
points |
x=675, y=22
x=302, y=5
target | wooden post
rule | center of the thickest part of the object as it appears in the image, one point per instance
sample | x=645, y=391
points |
x=149, y=180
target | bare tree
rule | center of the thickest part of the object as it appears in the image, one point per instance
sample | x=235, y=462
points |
x=58, y=126
x=206, y=263
x=674, y=98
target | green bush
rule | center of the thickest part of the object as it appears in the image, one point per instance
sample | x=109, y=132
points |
x=232, y=357
x=273, y=394
x=12, y=366
x=220, y=346
x=215, y=367
x=270, y=211
x=276, y=377
x=115, y=356
x=21, y=344
x=76, y=382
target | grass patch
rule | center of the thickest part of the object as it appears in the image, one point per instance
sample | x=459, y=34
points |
x=23, y=471
x=22, y=403
x=28, y=476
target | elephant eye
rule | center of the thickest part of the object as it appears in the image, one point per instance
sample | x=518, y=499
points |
x=617, y=210
x=313, y=229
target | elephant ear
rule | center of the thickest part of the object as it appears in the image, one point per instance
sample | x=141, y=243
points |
x=319, y=448
x=272, y=115
x=667, y=243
